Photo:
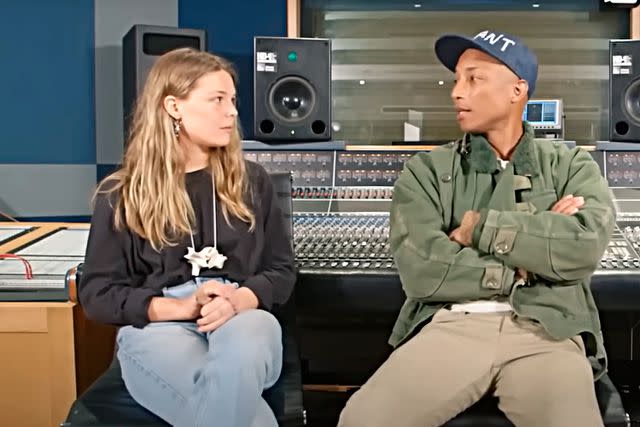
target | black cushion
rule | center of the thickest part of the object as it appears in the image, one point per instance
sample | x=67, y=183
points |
x=485, y=413
x=107, y=402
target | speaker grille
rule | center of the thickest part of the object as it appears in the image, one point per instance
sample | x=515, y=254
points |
x=158, y=44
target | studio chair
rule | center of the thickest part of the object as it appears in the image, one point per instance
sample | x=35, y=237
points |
x=108, y=403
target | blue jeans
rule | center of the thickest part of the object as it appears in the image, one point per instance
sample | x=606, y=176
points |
x=189, y=378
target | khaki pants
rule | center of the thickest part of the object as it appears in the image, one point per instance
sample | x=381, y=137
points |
x=459, y=357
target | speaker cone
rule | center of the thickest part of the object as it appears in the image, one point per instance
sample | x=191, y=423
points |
x=632, y=101
x=292, y=98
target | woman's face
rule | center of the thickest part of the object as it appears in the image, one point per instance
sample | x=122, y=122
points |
x=209, y=112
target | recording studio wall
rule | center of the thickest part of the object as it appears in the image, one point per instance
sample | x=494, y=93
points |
x=63, y=119
x=230, y=28
x=47, y=144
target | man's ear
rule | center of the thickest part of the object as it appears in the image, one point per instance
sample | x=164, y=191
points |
x=520, y=90
x=172, y=106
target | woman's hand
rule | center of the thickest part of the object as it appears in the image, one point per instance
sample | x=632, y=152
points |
x=209, y=290
x=191, y=307
x=215, y=313
x=243, y=299
x=220, y=302
x=163, y=309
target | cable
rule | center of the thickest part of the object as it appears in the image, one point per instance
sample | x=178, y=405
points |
x=9, y=217
x=27, y=266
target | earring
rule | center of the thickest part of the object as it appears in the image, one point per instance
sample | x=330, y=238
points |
x=177, y=124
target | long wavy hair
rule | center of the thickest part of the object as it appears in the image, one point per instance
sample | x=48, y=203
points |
x=152, y=198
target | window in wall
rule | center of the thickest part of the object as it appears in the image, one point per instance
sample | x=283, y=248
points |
x=384, y=64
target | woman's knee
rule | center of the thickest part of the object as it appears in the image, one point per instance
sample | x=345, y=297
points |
x=125, y=335
x=257, y=326
x=251, y=338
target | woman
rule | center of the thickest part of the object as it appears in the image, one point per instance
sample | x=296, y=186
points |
x=190, y=275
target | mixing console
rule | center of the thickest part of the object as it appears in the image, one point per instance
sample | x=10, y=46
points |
x=357, y=243
x=341, y=200
x=343, y=193
x=622, y=169
x=346, y=243
x=621, y=256
x=336, y=175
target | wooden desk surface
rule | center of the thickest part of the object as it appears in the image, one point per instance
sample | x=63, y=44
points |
x=31, y=304
x=38, y=230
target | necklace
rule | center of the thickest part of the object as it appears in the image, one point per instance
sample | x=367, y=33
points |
x=207, y=257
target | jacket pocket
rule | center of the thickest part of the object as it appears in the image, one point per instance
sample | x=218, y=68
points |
x=419, y=282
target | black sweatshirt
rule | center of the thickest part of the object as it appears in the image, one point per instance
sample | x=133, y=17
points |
x=122, y=272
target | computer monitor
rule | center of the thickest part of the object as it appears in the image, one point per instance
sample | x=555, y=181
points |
x=544, y=114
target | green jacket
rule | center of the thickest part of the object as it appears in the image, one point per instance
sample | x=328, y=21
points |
x=516, y=229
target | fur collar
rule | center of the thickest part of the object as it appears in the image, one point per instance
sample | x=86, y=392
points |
x=483, y=159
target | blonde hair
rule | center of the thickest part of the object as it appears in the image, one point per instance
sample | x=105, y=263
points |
x=153, y=201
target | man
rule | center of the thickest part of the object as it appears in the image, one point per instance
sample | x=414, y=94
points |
x=495, y=238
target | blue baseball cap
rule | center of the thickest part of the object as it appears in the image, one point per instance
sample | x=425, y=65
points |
x=508, y=49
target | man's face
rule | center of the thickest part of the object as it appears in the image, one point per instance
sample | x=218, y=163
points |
x=484, y=93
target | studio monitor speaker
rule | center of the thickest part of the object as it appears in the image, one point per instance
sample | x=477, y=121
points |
x=141, y=46
x=292, y=89
x=624, y=90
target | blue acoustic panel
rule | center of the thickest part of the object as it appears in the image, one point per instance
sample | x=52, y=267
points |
x=231, y=27
x=47, y=78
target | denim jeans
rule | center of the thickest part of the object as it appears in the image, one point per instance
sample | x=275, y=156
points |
x=189, y=378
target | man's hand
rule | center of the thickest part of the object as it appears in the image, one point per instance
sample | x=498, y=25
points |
x=464, y=234
x=568, y=205
x=214, y=314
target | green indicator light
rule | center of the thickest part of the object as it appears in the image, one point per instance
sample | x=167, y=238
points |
x=293, y=56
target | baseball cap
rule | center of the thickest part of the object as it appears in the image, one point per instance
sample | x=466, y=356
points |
x=508, y=49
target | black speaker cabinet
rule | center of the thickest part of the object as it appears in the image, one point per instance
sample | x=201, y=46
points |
x=624, y=90
x=141, y=46
x=292, y=89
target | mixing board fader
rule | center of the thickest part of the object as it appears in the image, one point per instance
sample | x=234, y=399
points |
x=621, y=255
x=331, y=243
x=358, y=243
